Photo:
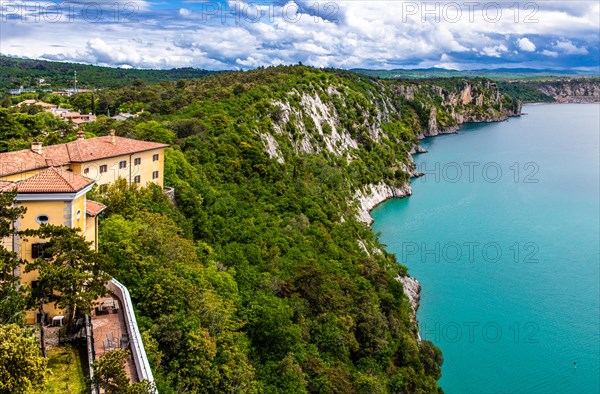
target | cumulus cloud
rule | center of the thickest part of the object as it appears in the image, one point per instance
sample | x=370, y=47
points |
x=494, y=51
x=548, y=53
x=112, y=54
x=185, y=12
x=525, y=44
x=568, y=48
x=347, y=34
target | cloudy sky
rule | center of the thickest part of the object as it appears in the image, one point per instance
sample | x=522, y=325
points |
x=346, y=34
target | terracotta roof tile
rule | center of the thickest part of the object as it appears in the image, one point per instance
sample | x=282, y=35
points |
x=93, y=208
x=53, y=180
x=27, y=160
x=6, y=186
x=70, y=114
x=79, y=151
x=101, y=147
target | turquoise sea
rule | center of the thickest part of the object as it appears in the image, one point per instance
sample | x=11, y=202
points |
x=503, y=233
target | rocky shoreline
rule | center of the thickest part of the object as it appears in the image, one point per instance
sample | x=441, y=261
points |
x=372, y=195
x=412, y=289
x=582, y=91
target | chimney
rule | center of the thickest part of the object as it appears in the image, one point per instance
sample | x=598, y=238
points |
x=113, y=139
x=36, y=147
x=80, y=135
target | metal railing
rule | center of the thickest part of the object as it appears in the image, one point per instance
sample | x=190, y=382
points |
x=138, y=352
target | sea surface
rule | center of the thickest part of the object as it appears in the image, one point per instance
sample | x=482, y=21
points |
x=503, y=233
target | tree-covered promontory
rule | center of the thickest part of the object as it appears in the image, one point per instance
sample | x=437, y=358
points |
x=261, y=278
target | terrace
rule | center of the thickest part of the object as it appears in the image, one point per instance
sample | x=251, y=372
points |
x=113, y=326
x=109, y=330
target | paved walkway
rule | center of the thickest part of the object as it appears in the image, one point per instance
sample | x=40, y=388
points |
x=111, y=324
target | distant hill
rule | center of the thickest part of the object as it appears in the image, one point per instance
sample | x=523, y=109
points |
x=15, y=72
x=526, y=84
x=510, y=74
x=521, y=83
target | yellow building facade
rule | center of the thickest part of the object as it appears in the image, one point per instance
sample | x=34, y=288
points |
x=52, y=196
x=52, y=182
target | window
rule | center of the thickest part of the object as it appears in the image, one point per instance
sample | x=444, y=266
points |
x=137, y=161
x=86, y=171
x=103, y=168
x=155, y=175
x=122, y=164
x=137, y=179
x=38, y=317
x=155, y=157
x=39, y=251
x=42, y=219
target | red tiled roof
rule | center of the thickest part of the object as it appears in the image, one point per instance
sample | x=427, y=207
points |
x=53, y=180
x=27, y=160
x=71, y=114
x=82, y=151
x=6, y=186
x=93, y=208
x=79, y=151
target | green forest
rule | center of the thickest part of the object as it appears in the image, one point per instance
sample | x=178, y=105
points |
x=522, y=84
x=16, y=72
x=260, y=278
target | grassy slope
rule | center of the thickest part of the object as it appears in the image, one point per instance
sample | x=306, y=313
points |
x=66, y=366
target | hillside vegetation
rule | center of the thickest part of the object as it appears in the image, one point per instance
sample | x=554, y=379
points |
x=527, y=85
x=578, y=90
x=15, y=72
x=261, y=278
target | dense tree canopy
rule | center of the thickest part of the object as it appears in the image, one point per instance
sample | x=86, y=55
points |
x=16, y=72
x=260, y=278
x=256, y=282
x=74, y=274
x=13, y=297
x=111, y=377
x=22, y=367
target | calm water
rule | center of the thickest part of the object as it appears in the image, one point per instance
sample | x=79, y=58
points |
x=509, y=262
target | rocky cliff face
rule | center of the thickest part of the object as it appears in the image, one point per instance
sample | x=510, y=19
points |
x=573, y=91
x=467, y=102
x=361, y=133
x=412, y=289
x=353, y=120
x=371, y=195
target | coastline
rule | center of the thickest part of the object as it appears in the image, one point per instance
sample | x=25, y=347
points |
x=372, y=195
x=381, y=192
x=595, y=100
x=410, y=227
